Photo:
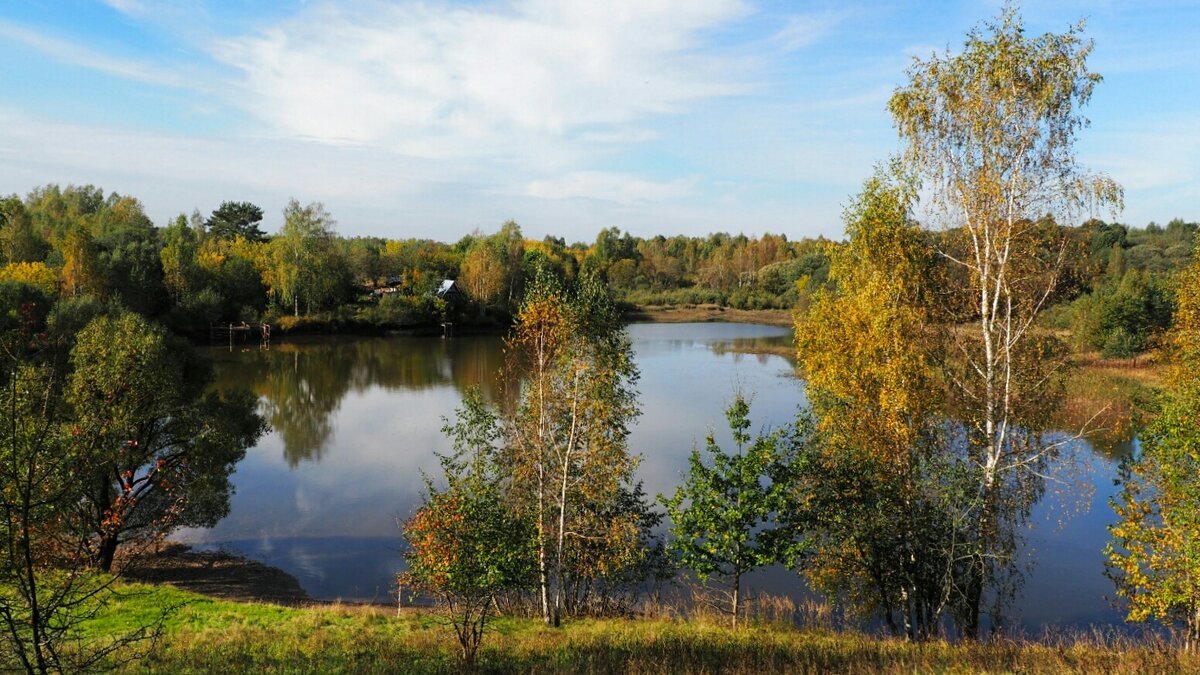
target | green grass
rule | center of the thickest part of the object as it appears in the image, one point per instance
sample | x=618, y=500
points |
x=207, y=635
x=134, y=606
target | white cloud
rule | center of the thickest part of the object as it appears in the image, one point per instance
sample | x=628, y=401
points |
x=369, y=191
x=536, y=79
x=172, y=173
x=412, y=119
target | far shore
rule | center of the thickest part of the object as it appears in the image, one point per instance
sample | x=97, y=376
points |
x=709, y=313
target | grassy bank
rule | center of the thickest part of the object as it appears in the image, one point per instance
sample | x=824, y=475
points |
x=208, y=635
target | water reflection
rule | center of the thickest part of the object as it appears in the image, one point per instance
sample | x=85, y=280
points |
x=302, y=384
x=355, y=422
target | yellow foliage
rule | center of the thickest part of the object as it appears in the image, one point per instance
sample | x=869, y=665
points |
x=32, y=273
x=864, y=347
x=210, y=260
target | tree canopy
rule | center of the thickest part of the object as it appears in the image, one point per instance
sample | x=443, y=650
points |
x=236, y=219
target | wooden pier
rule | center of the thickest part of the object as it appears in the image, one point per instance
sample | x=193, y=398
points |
x=240, y=333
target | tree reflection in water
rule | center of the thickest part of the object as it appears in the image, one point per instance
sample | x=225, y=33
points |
x=301, y=384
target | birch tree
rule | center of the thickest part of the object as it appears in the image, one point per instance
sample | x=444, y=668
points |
x=303, y=258
x=573, y=365
x=991, y=132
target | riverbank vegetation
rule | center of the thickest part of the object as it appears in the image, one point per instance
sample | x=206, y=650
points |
x=1115, y=294
x=207, y=635
x=1153, y=557
x=112, y=439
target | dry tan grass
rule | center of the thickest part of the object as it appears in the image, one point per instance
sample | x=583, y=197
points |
x=710, y=313
x=780, y=636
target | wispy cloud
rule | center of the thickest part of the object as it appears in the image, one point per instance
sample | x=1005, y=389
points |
x=567, y=115
x=805, y=30
x=370, y=191
x=127, y=6
x=74, y=54
x=615, y=187
x=174, y=172
x=178, y=17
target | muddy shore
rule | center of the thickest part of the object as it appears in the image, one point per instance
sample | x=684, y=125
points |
x=217, y=574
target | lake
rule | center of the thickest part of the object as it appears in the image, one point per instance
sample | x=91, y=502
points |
x=355, y=422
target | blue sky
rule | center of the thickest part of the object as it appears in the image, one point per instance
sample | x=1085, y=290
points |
x=432, y=119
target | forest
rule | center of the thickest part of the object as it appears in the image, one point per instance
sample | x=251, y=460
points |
x=1115, y=297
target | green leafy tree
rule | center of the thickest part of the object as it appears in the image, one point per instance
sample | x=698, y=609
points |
x=466, y=543
x=1154, y=555
x=35, y=489
x=19, y=242
x=181, y=274
x=132, y=265
x=47, y=592
x=306, y=265
x=724, y=515
x=1125, y=315
x=159, y=447
x=119, y=214
x=236, y=219
x=56, y=210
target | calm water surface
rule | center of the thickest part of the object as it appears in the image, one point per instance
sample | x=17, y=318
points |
x=355, y=422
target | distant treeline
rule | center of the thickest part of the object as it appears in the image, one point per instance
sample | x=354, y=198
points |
x=196, y=271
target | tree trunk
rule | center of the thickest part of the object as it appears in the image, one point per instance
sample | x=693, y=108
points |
x=35, y=605
x=543, y=575
x=106, y=552
x=543, y=572
x=558, y=559
x=737, y=588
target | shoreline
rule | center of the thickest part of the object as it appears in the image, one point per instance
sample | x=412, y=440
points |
x=217, y=574
x=708, y=314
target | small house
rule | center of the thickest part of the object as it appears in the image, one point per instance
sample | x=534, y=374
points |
x=448, y=290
